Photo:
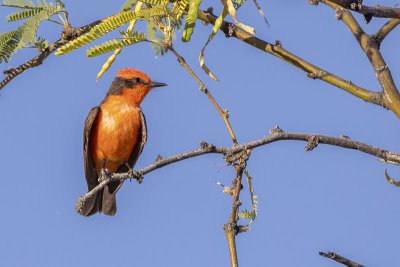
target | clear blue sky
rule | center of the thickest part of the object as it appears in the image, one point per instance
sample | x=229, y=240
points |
x=330, y=199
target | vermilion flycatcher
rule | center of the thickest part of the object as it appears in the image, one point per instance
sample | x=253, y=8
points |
x=114, y=135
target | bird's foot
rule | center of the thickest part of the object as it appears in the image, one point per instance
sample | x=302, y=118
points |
x=104, y=174
x=134, y=174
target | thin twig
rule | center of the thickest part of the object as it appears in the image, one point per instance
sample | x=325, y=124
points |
x=314, y=72
x=340, y=259
x=343, y=141
x=204, y=89
x=231, y=227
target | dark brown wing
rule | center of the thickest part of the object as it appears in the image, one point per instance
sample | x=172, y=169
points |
x=109, y=206
x=93, y=204
x=137, y=150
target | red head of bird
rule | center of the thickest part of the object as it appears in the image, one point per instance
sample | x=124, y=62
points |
x=138, y=84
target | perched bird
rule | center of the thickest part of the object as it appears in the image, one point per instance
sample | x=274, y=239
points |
x=113, y=137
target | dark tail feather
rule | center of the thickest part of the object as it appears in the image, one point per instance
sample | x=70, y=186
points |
x=104, y=201
x=109, y=203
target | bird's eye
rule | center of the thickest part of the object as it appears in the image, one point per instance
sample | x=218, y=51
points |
x=137, y=80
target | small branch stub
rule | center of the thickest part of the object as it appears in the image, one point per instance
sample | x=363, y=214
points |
x=339, y=13
x=313, y=2
x=231, y=227
x=318, y=75
x=158, y=158
x=206, y=146
x=276, y=130
x=227, y=190
x=345, y=137
x=312, y=143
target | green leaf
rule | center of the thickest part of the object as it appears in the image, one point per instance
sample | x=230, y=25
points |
x=31, y=25
x=8, y=44
x=129, y=39
x=113, y=23
x=151, y=29
x=24, y=14
x=179, y=7
x=41, y=44
x=155, y=2
x=25, y=4
x=128, y=5
x=99, y=30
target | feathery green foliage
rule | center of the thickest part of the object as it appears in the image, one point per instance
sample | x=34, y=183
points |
x=31, y=10
x=41, y=44
x=24, y=14
x=128, y=5
x=155, y=2
x=8, y=44
x=246, y=213
x=26, y=33
x=158, y=11
x=179, y=7
x=32, y=24
x=24, y=4
x=113, y=23
x=129, y=39
x=151, y=29
x=157, y=45
x=99, y=30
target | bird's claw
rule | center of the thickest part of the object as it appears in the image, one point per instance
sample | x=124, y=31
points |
x=104, y=174
x=134, y=174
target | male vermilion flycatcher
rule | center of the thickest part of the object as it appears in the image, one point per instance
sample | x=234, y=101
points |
x=114, y=134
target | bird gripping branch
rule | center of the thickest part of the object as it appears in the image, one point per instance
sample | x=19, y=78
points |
x=113, y=137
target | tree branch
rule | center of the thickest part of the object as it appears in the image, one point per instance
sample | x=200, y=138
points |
x=314, y=72
x=391, y=95
x=277, y=135
x=68, y=34
x=340, y=259
x=368, y=11
x=385, y=30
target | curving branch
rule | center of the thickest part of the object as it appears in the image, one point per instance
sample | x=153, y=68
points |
x=68, y=34
x=391, y=96
x=385, y=30
x=340, y=259
x=232, y=154
x=314, y=72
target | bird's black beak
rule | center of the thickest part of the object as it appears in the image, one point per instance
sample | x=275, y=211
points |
x=155, y=84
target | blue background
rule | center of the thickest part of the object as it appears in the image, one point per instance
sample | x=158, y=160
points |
x=330, y=199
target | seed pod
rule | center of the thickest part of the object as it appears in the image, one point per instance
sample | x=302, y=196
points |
x=191, y=20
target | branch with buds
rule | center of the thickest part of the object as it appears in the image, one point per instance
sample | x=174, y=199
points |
x=229, y=152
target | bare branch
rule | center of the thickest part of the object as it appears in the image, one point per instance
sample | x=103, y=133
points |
x=342, y=141
x=368, y=11
x=68, y=34
x=385, y=30
x=340, y=259
x=314, y=72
